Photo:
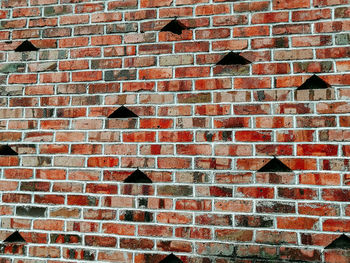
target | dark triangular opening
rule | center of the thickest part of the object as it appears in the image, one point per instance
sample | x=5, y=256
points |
x=122, y=112
x=26, y=46
x=171, y=259
x=14, y=238
x=138, y=177
x=174, y=26
x=342, y=242
x=6, y=150
x=274, y=165
x=314, y=82
x=233, y=59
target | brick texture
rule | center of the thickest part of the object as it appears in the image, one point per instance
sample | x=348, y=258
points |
x=202, y=132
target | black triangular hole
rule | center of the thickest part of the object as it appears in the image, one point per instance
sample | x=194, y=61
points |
x=14, y=238
x=233, y=59
x=174, y=26
x=274, y=165
x=171, y=259
x=6, y=150
x=26, y=46
x=314, y=82
x=138, y=177
x=122, y=112
x=342, y=242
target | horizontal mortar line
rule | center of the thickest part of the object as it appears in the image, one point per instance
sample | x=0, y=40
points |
x=177, y=198
x=178, y=170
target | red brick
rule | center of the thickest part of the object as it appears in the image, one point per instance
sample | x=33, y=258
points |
x=152, y=230
x=44, y=252
x=74, y=19
x=106, y=40
x=49, y=224
x=105, y=17
x=73, y=42
x=16, y=198
x=102, y=162
x=180, y=136
x=263, y=18
x=230, y=44
x=251, y=31
x=233, y=150
x=297, y=193
x=139, y=137
x=192, y=47
x=251, y=6
x=213, y=163
x=319, y=209
x=192, y=72
x=319, y=3
x=212, y=9
x=54, y=77
x=187, y=149
x=290, y=5
x=271, y=68
x=317, y=150
x=86, y=76
x=51, y=174
x=211, y=110
x=305, y=41
x=85, y=52
x=339, y=52
x=100, y=241
x=22, y=78
x=159, y=73
x=156, y=123
x=311, y=15
x=101, y=188
x=74, y=65
x=230, y=20
x=153, y=49
x=213, y=33
x=281, y=42
x=55, y=101
x=338, y=225
x=274, y=237
x=89, y=8
x=255, y=192
x=291, y=29
x=253, y=136
x=122, y=4
x=154, y=3
x=306, y=223
x=174, y=163
x=49, y=199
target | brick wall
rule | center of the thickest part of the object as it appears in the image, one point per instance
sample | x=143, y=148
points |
x=202, y=139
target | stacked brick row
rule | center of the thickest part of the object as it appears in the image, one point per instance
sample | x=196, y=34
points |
x=202, y=132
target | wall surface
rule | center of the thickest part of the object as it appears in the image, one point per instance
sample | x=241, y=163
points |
x=202, y=132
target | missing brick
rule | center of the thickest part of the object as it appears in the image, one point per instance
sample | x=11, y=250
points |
x=6, y=150
x=171, y=259
x=138, y=177
x=341, y=242
x=26, y=46
x=15, y=237
x=314, y=82
x=233, y=59
x=174, y=26
x=274, y=165
x=122, y=112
